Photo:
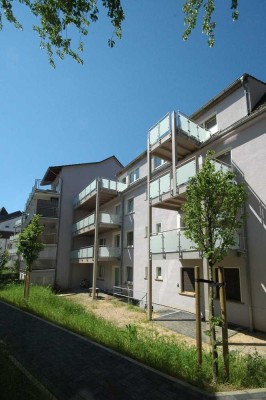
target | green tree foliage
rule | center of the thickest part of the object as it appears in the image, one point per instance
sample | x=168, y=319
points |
x=212, y=218
x=3, y=259
x=56, y=18
x=192, y=9
x=29, y=246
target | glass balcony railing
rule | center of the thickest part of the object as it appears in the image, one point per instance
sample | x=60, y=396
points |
x=104, y=184
x=183, y=123
x=164, y=184
x=89, y=221
x=159, y=130
x=175, y=241
x=160, y=186
x=109, y=252
x=83, y=252
x=185, y=171
x=170, y=242
x=88, y=252
x=190, y=128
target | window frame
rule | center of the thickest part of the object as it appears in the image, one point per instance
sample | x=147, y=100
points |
x=158, y=274
x=130, y=211
x=183, y=288
x=129, y=246
x=133, y=176
x=129, y=274
x=234, y=300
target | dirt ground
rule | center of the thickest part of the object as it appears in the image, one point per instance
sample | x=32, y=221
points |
x=122, y=314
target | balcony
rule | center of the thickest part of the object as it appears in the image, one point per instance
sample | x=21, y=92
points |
x=109, y=189
x=162, y=193
x=86, y=254
x=87, y=225
x=37, y=188
x=48, y=253
x=175, y=241
x=189, y=137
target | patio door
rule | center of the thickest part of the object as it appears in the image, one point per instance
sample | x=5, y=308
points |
x=116, y=275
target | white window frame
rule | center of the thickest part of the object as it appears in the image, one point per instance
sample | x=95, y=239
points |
x=158, y=227
x=157, y=165
x=114, y=239
x=103, y=239
x=133, y=175
x=128, y=202
x=213, y=128
x=129, y=245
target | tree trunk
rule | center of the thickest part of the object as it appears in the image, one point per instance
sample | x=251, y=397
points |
x=27, y=284
x=212, y=328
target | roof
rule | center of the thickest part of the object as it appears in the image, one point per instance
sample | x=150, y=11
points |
x=3, y=211
x=229, y=89
x=53, y=171
x=13, y=215
x=261, y=103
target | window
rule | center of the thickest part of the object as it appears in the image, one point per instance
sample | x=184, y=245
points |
x=157, y=162
x=124, y=180
x=100, y=272
x=188, y=280
x=130, y=239
x=211, y=124
x=232, y=287
x=129, y=274
x=158, y=228
x=118, y=209
x=159, y=273
x=146, y=273
x=117, y=240
x=102, y=242
x=134, y=175
x=130, y=206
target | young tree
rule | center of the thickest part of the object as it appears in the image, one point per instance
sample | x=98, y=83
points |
x=57, y=17
x=3, y=259
x=29, y=246
x=212, y=218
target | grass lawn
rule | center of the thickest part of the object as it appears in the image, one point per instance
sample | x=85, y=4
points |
x=150, y=347
x=14, y=383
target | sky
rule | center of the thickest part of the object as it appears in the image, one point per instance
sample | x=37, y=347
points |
x=77, y=114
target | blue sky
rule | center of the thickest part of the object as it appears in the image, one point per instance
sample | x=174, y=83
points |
x=76, y=114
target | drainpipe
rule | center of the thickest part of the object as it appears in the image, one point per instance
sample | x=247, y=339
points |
x=58, y=228
x=244, y=83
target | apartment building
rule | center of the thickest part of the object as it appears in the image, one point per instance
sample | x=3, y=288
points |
x=123, y=226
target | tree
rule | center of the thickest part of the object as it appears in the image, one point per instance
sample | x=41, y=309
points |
x=3, y=259
x=192, y=8
x=58, y=17
x=212, y=218
x=29, y=246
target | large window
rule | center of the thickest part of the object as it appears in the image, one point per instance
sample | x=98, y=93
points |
x=134, y=175
x=130, y=206
x=130, y=239
x=188, y=280
x=102, y=242
x=157, y=162
x=232, y=284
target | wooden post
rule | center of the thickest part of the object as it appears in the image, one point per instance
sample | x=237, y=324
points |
x=224, y=321
x=198, y=316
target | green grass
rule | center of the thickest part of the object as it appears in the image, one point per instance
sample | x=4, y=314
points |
x=14, y=383
x=162, y=353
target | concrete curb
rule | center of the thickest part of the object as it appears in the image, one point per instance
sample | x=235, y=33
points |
x=236, y=395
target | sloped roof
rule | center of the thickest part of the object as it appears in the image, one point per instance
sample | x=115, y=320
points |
x=53, y=171
x=6, y=217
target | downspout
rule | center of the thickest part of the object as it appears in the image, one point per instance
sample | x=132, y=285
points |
x=122, y=240
x=244, y=83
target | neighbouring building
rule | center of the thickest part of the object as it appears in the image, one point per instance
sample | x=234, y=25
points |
x=113, y=222
x=9, y=223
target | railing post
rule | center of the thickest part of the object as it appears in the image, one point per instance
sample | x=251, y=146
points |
x=96, y=239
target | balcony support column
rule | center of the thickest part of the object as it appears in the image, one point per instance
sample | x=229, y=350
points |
x=174, y=151
x=149, y=229
x=96, y=239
